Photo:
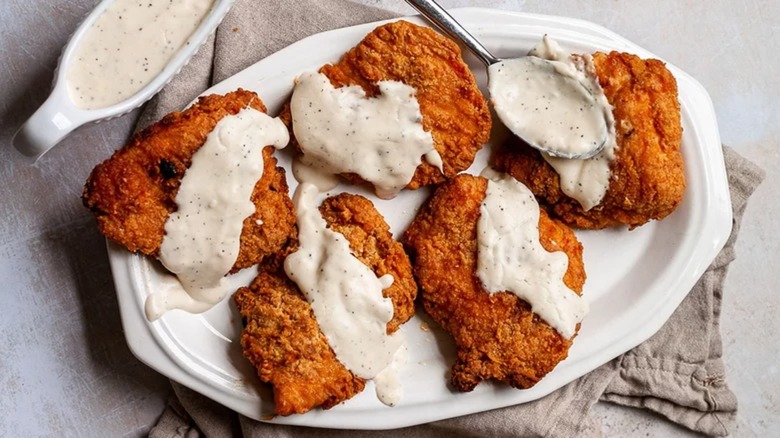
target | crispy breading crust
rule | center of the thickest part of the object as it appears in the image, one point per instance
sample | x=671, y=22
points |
x=282, y=340
x=371, y=242
x=132, y=193
x=497, y=335
x=281, y=336
x=453, y=109
x=648, y=179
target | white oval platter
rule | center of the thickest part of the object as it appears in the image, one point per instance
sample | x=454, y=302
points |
x=636, y=279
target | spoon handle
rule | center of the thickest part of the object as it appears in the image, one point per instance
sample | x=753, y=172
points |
x=438, y=16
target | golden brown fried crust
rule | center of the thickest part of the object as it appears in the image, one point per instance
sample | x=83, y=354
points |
x=497, y=335
x=647, y=174
x=371, y=242
x=453, y=109
x=282, y=340
x=281, y=337
x=132, y=193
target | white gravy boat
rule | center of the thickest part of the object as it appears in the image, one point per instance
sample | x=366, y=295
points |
x=59, y=116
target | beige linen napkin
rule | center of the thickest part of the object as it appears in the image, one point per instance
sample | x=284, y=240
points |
x=678, y=373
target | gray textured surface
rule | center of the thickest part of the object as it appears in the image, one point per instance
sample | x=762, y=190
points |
x=65, y=368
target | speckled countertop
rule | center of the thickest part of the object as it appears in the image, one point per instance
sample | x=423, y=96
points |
x=65, y=368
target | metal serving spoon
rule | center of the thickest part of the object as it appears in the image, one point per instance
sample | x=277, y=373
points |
x=553, y=145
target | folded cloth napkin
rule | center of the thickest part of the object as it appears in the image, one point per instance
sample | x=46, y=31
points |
x=678, y=373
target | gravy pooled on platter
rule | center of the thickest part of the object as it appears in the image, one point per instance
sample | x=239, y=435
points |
x=128, y=45
x=341, y=130
x=203, y=236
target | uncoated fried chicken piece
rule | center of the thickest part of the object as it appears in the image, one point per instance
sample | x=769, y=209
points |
x=281, y=337
x=453, y=108
x=497, y=335
x=648, y=178
x=132, y=193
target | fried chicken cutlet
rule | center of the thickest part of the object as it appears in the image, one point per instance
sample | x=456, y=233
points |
x=453, y=108
x=497, y=335
x=647, y=180
x=132, y=193
x=281, y=337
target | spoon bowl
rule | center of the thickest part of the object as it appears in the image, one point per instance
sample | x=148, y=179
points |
x=556, y=81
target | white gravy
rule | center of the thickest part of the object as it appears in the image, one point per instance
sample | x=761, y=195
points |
x=319, y=177
x=545, y=108
x=202, y=238
x=381, y=139
x=512, y=259
x=346, y=297
x=586, y=180
x=388, y=385
x=128, y=46
x=567, y=112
